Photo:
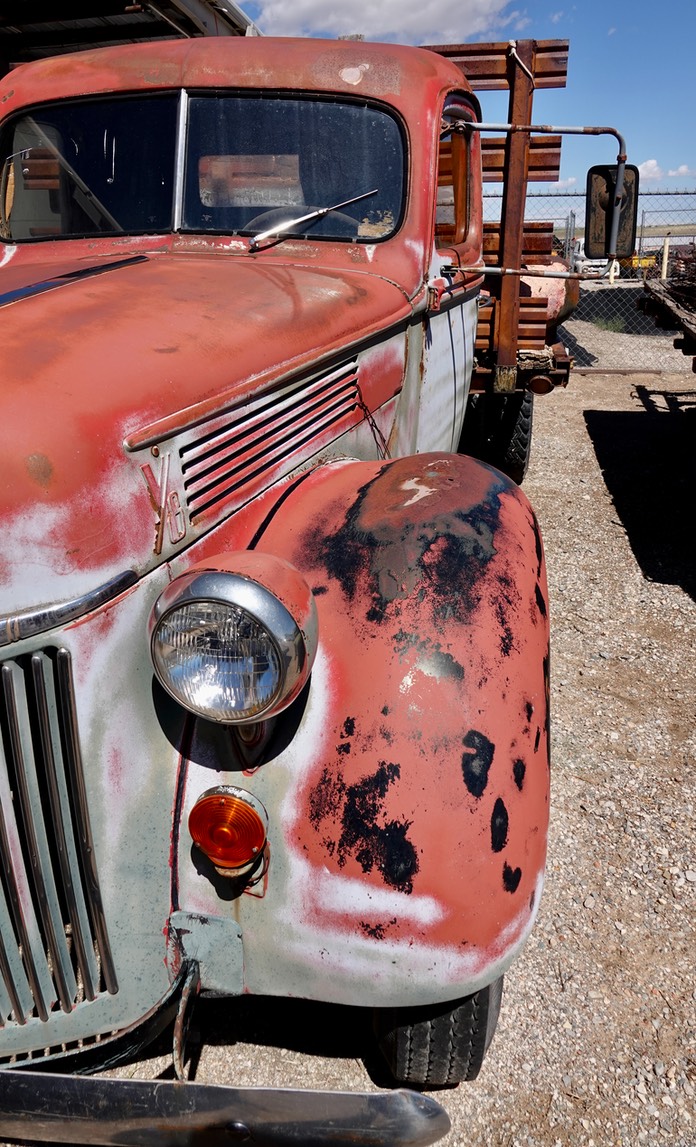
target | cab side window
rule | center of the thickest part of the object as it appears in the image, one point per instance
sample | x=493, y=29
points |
x=458, y=158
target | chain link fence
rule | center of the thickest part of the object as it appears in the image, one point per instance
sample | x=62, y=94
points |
x=606, y=330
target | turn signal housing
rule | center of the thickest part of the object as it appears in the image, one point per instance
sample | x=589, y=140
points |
x=230, y=826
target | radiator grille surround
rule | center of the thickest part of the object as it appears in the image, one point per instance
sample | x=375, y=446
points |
x=54, y=946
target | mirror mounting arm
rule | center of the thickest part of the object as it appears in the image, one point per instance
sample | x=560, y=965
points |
x=547, y=129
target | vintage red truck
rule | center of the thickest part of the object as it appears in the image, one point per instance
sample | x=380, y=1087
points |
x=274, y=705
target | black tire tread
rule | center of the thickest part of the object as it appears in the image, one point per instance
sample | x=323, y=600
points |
x=498, y=430
x=439, y=1045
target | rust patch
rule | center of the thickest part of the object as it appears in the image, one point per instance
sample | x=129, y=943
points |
x=39, y=469
x=431, y=656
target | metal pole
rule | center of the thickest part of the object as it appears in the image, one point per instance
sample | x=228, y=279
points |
x=665, y=256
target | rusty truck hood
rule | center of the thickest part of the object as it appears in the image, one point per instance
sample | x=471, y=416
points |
x=96, y=351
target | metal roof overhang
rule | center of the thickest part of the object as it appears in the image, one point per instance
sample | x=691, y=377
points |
x=32, y=29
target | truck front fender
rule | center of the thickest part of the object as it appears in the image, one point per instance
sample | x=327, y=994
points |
x=419, y=814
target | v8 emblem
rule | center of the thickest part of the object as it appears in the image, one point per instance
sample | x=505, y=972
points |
x=166, y=504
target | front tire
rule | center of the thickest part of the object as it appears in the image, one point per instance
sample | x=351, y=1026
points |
x=439, y=1045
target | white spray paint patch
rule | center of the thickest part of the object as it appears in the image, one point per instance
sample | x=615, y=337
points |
x=354, y=75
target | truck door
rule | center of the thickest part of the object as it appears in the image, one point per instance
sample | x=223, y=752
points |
x=450, y=323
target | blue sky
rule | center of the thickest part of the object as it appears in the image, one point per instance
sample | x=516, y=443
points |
x=630, y=66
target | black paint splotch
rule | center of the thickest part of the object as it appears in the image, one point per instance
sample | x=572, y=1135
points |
x=506, y=604
x=326, y=798
x=499, y=826
x=477, y=763
x=547, y=697
x=348, y=553
x=507, y=638
x=518, y=770
x=538, y=545
x=541, y=604
x=441, y=561
x=384, y=846
x=511, y=878
x=365, y=835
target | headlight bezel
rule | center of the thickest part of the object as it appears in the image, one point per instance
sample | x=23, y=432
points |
x=291, y=629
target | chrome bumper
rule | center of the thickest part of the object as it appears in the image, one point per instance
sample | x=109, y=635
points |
x=75, y=1109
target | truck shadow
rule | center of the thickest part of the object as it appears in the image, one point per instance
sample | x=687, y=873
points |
x=324, y=1031
x=648, y=461
x=616, y=308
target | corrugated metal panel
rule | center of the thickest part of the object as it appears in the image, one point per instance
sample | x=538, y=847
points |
x=37, y=28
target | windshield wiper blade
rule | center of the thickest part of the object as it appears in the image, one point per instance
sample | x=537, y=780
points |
x=318, y=213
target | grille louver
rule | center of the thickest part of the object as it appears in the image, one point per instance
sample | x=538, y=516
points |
x=244, y=451
x=54, y=948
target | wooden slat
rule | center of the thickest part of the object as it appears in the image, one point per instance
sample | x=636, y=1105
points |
x=537, y=242
x=444, y=163
x=486, y=65
x=41, y=171
x=544, y=158
x=532, y=324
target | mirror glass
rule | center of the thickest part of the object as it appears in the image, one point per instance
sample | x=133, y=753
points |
x=601, y=184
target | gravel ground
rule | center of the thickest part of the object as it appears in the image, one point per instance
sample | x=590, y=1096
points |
x=608, y=332
x=595, y=1044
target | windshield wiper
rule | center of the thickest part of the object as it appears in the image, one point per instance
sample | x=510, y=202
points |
x=317, y=213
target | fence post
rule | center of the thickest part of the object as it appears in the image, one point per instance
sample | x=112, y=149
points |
x=665, y=256
x=569, y=236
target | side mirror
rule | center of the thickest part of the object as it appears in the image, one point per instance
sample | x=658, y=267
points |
x=599, y=205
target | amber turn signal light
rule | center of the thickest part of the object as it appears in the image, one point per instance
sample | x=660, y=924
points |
x=229, y=825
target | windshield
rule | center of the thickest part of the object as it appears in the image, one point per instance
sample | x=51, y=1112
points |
x=252, y=162
x=86, y=168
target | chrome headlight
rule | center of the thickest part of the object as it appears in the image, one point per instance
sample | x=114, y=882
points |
x=229, y=647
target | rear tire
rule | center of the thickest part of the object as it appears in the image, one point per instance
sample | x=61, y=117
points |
x=498, y=430
x=439, y=1045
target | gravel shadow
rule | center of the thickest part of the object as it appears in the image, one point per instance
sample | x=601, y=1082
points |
x=648, y=461
x=619, y=303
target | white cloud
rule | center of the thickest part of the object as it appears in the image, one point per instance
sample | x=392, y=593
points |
x=563, y=184
x=555, y=17
x=650, y=169
x=611, y=31
x=683, y=169
x=403, y=21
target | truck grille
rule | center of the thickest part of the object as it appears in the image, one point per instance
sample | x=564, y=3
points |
x=54, y=948
x=247, y=449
